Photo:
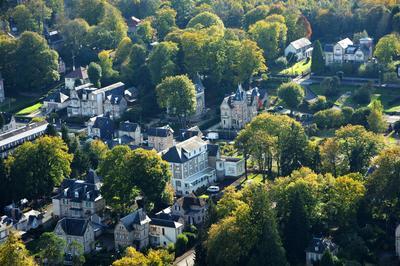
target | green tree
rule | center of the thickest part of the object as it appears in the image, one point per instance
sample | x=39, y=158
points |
x=95, y=73
x=108, y=74
x=184, y=10
x=254, y=15
x=181, y=244
x=36, y=168
x=387, y=48
x=178, y=95
x=162, y=61
x=375, y=119
x=291, y=94
x=76, y=250
x=317, y=59
x=153, y=257
x=122, y=53
x=251, y=61
x=75, y=34
x=96, y=151
x=328, y=259
x=146, y=32
x=51, y=130
x=133, y=70
x=164, y=21
x=24, y=19
x=13, y=252
x=51, y=248
x=93, y=11
x=205, y=20
x=36, y=63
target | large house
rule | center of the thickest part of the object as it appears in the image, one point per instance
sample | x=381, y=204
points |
x=101, y=127
x=88, y=101
x=79, y=198
x=164, y=231
x=78, y=77
x=76, y=229
x=316, y=249
x=239, y=108
x=191, y=208
x=130, y=133
x=301, y=48
x=11, y=139
x=9, y=123
x=160, y=138
x=189, y=165
x=132, y=229
x=56, y=101
x=345, y=51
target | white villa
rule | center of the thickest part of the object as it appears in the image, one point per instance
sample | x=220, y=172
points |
x=345, y=51
x=301, y=48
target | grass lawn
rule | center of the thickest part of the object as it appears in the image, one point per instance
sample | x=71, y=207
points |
x=30, y=109
x=297, y=69
x=253, y=179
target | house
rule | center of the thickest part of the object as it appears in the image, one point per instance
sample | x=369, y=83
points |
x=6, y=226
x=2, y=92
x=9, y=123
x=15, y=219
x=132, y=230
x=239, y=108
x=188, y=162
x=191, y=208
x=101, y=127
x=79, y=198
x=11, y=139
x=132, y=23
x=76, y=229
x=230, y=167
x=185, y=134
x=87, y=101
x=345, y=51
x=164, y=231
x=54, y=39
x=78, y=76
x=200, y=98
x=56, y=101
x=160, y=138
x=131, y=131
x=316, y=249
x=301, y=48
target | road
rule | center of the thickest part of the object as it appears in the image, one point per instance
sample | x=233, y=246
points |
x=186, y=259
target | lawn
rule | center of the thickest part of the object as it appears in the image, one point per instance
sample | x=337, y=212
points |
x=297, y=69
x=253, y=179
x=30, y=109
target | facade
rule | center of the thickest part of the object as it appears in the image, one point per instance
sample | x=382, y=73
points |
x=9, y=122
x=131, y=132
x=301, y=48
x=56, y=101
x=76, y=229
x=189, y=166
x=239, y=108
x=11, y=139
x=88, y=101
x=79, y=198
x=345, y=51
x=200, y=99
x=101, y=127
x=2, y=93
x=191, y=208
x=77, y=76
x=230, y=167
x=160, y=138
x=164, y=231
x=316, y=249
x=132, y=230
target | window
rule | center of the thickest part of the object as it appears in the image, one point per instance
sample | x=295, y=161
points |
x=163, y=232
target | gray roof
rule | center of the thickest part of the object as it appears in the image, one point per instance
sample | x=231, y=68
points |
x=74, y=226
x=128, y=126
x=79, y=73
x=58, y=97
x=106, y=126
x=328, y=48
x=213, y=149
x=176, y=154
x=300, y=43
x=79, y=190
x=164, y=131
x=185, y=134
x=138, y=217
x=114, y=98
x=165, y=223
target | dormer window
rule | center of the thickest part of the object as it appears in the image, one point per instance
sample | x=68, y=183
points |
x=76, y=194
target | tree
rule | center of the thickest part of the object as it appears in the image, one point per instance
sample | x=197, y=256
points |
x=317, y=59
x=75, y=33
x=291, y=94
x=251, y=61
x=296, y=229
x=396, y=22
x=331, y=159
x=254, y=15
x=154, y=257
x=205, y=20
x=328, y=259
x=24, y=19
x=162, y=61
x=387, y=48
x=36, y=63
x=108, y=74
x=76, y=250
x=270, y=36
x=128, y=173
x=184, y=10
x=181, y=244
x=13, y=252
x=146, y=32
x=93, y=11
x=36, y=168
x=178, y=95
x=122, y=53
x=96, y=151
x=164, y=21
x=94, y=73
x=51, y=248
x=375, y=119
x=363, y=94
x=51, y=130
x=132, y=71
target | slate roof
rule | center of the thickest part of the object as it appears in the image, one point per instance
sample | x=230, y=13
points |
x=128, y=126
x=328, y=48
x=165, y=223
x=86, y=190
x=106, y=126
x=185, y=134
x=74, y=226
x=138, y=217
x=212, y=149
x=114, y=98
x=351, y=49
x=79, y=73
x=163, y=132
x=300, y=43
x=57, y=97
x=319, y=245
x=186, y=202
x=176, y=154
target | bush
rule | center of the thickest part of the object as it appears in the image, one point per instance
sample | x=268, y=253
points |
x=181, y=244
x=348, y=68
x=311, y=130
x=330, y=118
x=191, y=238
x=363, y=94
x=360, y=116
x=368, y=70
x=281, y=62
x=319, y=104
x=330, y=85
x=347, y=114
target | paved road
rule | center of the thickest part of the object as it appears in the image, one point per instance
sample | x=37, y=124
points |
x=186, y=259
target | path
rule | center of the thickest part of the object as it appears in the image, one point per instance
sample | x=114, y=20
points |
x=186, y=259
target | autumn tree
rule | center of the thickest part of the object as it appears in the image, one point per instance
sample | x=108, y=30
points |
x=177, y=94
x=375, y=119
x=154, y=257
x=387, y=48
x=13, y=252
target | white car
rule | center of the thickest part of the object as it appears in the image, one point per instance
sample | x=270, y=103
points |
x=213, y=189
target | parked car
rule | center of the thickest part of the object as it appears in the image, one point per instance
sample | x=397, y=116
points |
x=213, y=189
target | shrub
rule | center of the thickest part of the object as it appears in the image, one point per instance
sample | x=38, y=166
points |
x=347, y=114
x=281, y=62
x=329, y=118
x=319, y=104
x=363, y=94
x=181, y=244
x=360, y=115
